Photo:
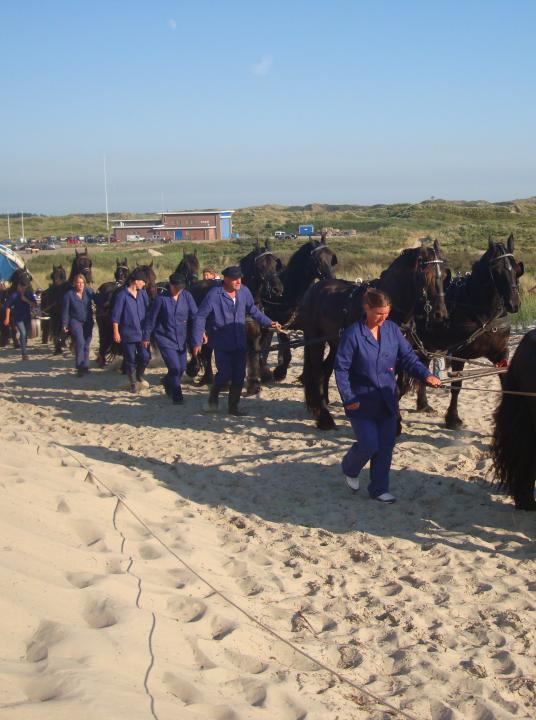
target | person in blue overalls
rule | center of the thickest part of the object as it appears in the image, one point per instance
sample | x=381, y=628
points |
x=368, y=354
x=167, y=323
x=128, y=315
x=225, y=307
x=19, y=311
x=77, y=318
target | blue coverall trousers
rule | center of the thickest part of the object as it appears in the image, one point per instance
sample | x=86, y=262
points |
x=375, y=442
x=175, y=361
x=22, y=327
x=136, y=357
x=231, y=365
x=81, y=333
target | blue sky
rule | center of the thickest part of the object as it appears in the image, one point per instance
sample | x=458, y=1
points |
x=230, y=103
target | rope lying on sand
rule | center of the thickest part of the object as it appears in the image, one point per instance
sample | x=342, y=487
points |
x=91, y=476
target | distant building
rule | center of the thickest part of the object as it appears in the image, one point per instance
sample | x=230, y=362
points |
x=207, y=225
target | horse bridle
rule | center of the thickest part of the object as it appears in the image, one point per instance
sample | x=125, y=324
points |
x=316, y=264
x=436, y=262
x=512, y=285
x=264, y=279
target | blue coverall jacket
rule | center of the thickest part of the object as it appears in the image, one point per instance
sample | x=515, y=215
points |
x=365, y=368
x=129, y=312
x=20, y=310
x=226, y=324
x=75, y=308
x=167, y=320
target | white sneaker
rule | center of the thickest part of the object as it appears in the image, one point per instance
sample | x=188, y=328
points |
x=352, y=483
x=386, y=498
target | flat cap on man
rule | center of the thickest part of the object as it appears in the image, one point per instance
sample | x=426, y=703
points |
x=139, y=274
x=233, y=272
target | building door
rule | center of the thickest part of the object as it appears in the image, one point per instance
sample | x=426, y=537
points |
x=178, y=234
x=225, y=224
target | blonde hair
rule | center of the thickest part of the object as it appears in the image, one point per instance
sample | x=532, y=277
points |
x=79, y=275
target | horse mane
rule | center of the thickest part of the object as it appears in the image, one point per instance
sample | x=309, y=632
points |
x=407, y=258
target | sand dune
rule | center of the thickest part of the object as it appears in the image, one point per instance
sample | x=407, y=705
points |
x=429, y=604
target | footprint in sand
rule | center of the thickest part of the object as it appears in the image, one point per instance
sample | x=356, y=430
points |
x=49, y=687
x=180, y=577
x=221, y=627
x=46, y=635
x=99, y=614
x=149, y=552
x=186, y=609
x=89, y=533
x=245, y=663
x=81, y=580
x=181, y=689
x=62, y=506
x=253, y=691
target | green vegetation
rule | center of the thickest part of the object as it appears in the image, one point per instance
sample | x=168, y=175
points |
x=462, y=229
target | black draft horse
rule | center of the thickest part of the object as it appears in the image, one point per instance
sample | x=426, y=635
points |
x=413, y=280
x=313, y=261
x=513, y=447
x=260, y=273
x=58, y=277
x=104, y=303
x=478, y=324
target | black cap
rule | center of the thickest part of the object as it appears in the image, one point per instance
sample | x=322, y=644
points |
x=233, y=272
x=178, y=280
x=138, y=274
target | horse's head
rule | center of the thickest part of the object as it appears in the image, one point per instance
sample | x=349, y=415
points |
x=121, y=270
x=150, y=282
x=505, y=272
x=432, y=277
x=189, y=267
x=265, y=269
x=321, y=260
x=58, y=275
x=82, y=264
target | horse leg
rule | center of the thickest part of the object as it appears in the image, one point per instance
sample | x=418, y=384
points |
x=327, y=369
x=207, y=378
x=284, y=356
x=452, y=419
x=266, y=342
x=313, y=367
x=253, y=331
x=525, y=474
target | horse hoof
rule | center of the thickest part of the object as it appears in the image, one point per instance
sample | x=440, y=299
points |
x=325, y=421
x=253, y=390
x=453, y=423
x=426, y=409
x=525, y=503
x=267, y=376
x=279, y=374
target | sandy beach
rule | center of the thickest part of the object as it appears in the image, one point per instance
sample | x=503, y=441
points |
x=429, y=604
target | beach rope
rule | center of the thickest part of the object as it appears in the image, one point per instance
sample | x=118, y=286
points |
x=91, y=475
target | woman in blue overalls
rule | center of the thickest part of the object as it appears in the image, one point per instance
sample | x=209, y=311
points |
x=167, y=323
x=77, y=318
x=18, y=311
x=128, y=315
x=365, y=365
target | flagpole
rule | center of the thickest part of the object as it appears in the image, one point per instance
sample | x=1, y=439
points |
x=8, y=228
x=22, y=222
x=106, y=201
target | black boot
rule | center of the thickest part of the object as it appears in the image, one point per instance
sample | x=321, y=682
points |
x=140, y=370
x=213, y=398
x=133, y=387
x=178, y=398
x=234, y=398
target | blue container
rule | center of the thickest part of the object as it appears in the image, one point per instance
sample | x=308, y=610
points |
x=306, y=229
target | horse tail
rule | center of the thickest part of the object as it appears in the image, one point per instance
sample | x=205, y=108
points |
x=512, y=446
